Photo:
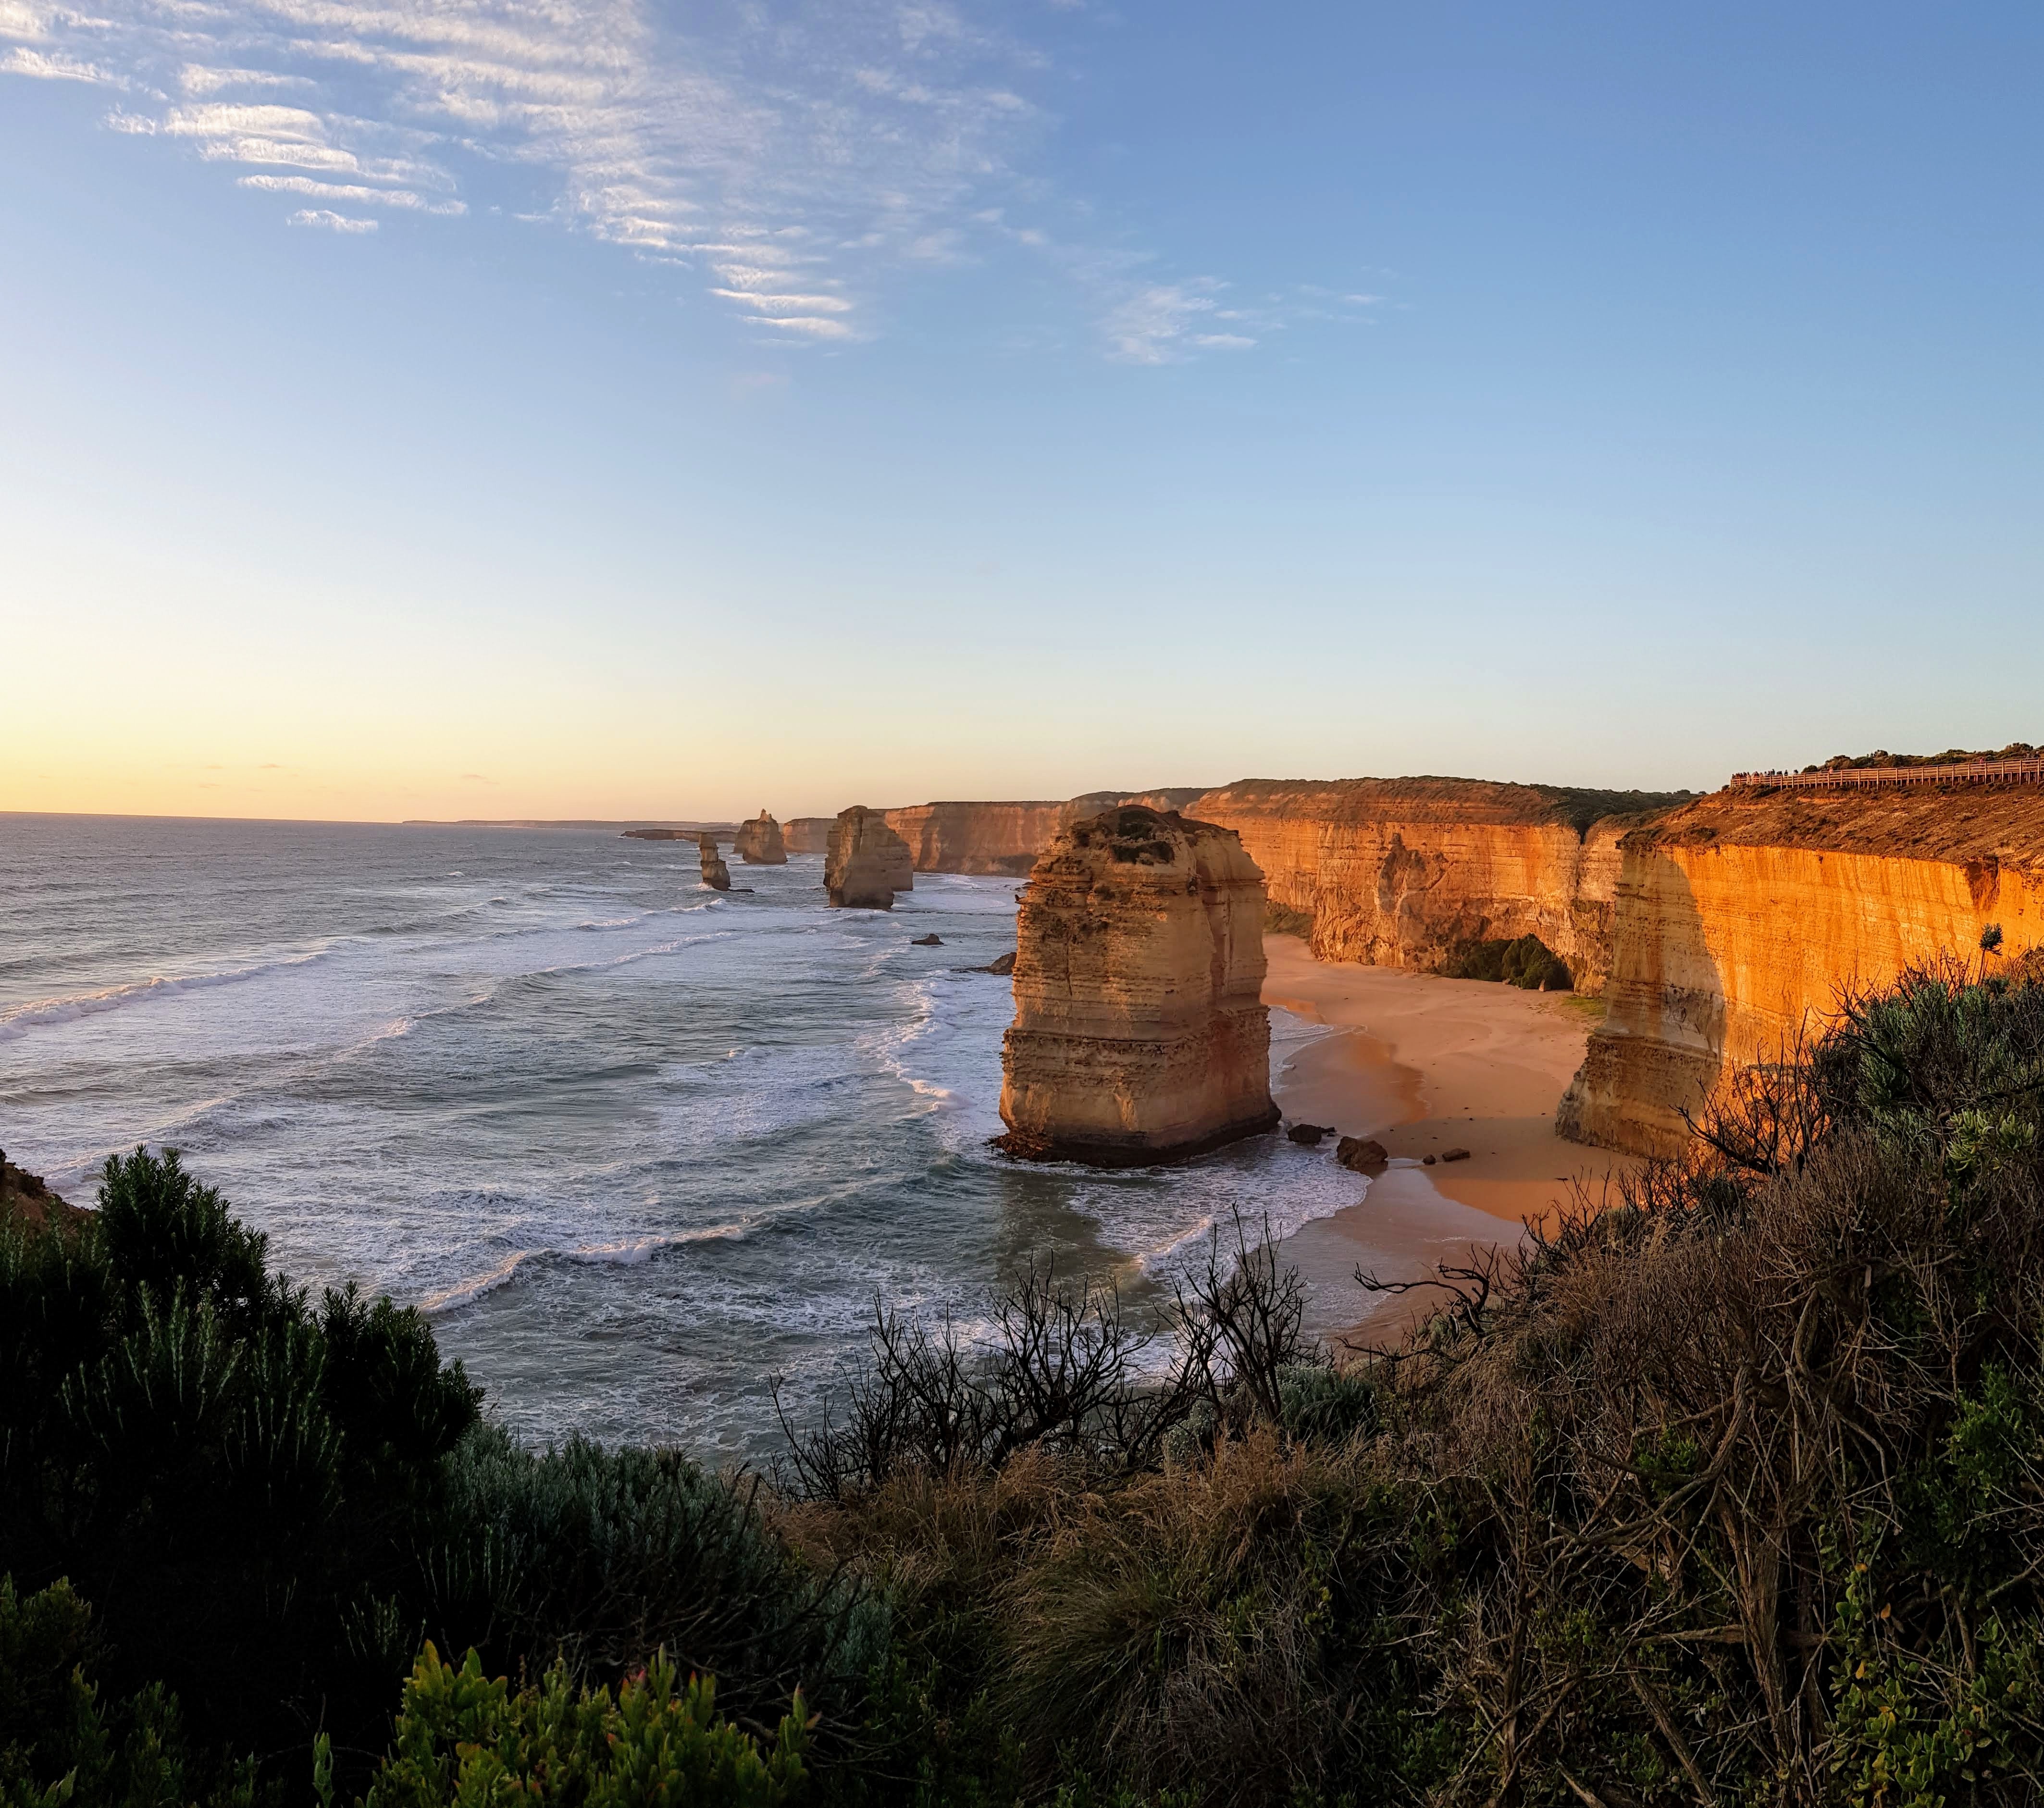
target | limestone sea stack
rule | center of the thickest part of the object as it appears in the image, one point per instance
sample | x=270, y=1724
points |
x=759, y=842
x=715, y=873
x=866, y=862
x=1140, y=1034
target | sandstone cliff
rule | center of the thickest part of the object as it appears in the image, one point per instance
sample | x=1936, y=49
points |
x=978, y=837
x=715, y=873
x=759, y=842
x=865, y=863
x=1140, y=1034
x=807, y=834
x=1739, y=917
x=1402, y=872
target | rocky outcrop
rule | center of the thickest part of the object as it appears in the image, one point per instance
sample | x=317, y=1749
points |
x=759, y=842
x=865, y=861
x=1409, y=872
x=1140, y=1034
x=715, y=873
x=28, y=1204
x=807, y=834
x=1740, y=918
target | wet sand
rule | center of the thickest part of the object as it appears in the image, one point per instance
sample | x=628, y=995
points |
x=1425, y=1064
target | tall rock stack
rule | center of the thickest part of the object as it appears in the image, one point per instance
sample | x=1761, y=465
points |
x=1140, y=1034
x=759, y=842
x=715, y=873
x=866, y=862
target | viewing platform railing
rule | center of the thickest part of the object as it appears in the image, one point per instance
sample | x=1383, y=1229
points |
x=1871, y=778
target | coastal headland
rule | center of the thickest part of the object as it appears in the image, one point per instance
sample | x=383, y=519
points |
x=1721, y=926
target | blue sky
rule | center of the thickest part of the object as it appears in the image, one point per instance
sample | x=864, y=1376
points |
x=446, y=408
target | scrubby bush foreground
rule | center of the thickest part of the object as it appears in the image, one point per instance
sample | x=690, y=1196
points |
x=1729, y=1489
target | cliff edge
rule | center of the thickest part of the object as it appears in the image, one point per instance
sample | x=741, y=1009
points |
x=1408, y=871
x=1140, y=1034
x=1739, y=919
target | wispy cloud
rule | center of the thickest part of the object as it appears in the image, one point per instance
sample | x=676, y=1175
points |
x=328, y=221
x=796, y=153
x=55, y=66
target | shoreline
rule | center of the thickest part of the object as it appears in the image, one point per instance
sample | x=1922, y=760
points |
x=1424, y=1064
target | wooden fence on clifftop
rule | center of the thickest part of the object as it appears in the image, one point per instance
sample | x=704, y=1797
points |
x=1870, y=777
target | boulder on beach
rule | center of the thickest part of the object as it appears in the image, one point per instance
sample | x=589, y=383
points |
x=1361, y=1153
x=1454, y=1155
x=1312, y=1135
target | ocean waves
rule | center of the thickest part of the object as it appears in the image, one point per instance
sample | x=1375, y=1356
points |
x=636, y=1148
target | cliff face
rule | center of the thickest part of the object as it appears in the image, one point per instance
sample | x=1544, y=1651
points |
x=865, y=863
x=1400, y=871
x=759, y=842
x=1740, y=917
x=978, y=837
x=807, y=834
x=1140, y=1034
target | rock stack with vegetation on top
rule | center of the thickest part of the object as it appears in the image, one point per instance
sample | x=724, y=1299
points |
x=1140, y=1032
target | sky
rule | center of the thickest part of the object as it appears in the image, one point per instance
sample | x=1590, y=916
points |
x=473, y=409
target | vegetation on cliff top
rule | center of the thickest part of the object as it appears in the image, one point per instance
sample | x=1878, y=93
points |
x=1730, y=1488
x=1951, y=756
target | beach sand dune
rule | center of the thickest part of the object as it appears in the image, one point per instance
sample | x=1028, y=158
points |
x=1426, y=1064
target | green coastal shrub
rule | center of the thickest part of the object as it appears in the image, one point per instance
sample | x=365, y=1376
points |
x=1527, y=962
x=235, y=1475
x=61, y=1746
x=654, y=1743
x=1283, y=919
x=602, y=1556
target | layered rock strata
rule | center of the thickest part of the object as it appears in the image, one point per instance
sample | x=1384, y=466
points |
x=866, y=862
x=1739, y=919
x=1005, y=837
x=1408, y=871
x=807, y=834
x=1140, y=1034
x=715, y=873
x=759, y=842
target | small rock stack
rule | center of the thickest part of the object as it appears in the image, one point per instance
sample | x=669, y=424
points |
x=715, y=873
x=866, y=862
x=759, y=842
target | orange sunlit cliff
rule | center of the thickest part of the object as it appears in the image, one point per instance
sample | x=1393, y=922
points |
x=1740, y=917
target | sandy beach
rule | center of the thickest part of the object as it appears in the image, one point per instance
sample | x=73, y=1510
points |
x=1426, y=1064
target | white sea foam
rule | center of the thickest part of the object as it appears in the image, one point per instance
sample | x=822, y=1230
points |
x=17, y=1020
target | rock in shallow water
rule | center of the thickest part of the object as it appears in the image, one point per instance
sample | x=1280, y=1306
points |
x=1140, y=1034
x=715, y=873
x=759, y=842
x=866, y=862
x=1361, y=1153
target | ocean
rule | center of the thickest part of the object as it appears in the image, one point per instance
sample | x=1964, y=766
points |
x=638, y=1149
